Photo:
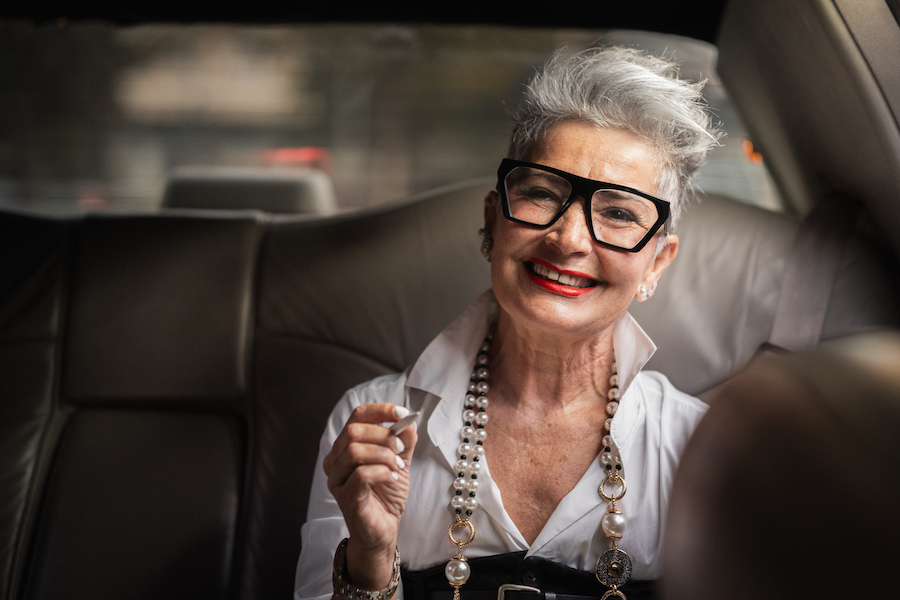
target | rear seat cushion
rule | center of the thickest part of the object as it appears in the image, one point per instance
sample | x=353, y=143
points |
x=140, y=504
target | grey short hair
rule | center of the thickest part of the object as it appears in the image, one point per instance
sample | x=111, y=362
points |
x=623, y=88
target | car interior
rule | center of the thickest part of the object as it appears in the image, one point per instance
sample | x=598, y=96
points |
x=166, y=373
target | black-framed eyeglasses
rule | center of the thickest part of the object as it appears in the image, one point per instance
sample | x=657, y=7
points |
x=617, y=216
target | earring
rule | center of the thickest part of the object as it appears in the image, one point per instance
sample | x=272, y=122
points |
x=487, y=243
x=646, y=292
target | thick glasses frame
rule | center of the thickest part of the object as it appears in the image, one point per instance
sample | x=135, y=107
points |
x=581, y=188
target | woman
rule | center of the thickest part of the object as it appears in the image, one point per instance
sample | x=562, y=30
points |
x=533, y=399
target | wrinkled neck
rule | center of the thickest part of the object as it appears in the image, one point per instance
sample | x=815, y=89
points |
x=549, y=370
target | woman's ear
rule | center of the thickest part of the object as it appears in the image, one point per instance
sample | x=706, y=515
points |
x=487, y=232
x=654, y=270
x=491, y=206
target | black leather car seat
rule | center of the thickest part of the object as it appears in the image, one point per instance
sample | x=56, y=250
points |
x=165, y=378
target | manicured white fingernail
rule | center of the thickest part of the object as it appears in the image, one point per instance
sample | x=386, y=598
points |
x=395, y=475
x=400, y=446
x=400, y=462
x=400, y=411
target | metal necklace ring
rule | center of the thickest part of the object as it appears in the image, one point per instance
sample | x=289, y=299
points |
x=612, y=478
x=460, y=524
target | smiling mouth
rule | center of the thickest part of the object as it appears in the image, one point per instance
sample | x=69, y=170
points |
x=568, y=283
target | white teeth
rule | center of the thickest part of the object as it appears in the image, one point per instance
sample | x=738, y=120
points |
x=546, y=273
x=562, y=278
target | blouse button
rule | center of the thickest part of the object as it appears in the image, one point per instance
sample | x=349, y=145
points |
x=530, y=577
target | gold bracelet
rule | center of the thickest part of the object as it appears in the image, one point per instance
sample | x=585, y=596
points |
x=350, y=592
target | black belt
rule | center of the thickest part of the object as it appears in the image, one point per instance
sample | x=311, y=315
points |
x=516, y=595
x=554, y=581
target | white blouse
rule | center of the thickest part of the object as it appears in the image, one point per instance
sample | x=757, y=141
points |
x=650, y=430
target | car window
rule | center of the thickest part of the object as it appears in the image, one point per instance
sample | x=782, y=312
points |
x=99, y=117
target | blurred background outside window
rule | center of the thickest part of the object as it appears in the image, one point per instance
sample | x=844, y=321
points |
x=98, y=117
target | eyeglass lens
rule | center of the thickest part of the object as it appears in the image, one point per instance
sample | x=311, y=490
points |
x=619, y=218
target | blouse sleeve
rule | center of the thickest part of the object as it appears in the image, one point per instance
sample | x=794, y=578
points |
x=325, y=527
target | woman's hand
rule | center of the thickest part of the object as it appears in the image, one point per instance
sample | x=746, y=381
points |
x=368, y=475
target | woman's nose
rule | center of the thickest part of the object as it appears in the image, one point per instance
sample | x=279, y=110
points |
x=571, y=234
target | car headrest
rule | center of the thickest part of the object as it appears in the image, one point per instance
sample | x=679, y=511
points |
x=280, y=191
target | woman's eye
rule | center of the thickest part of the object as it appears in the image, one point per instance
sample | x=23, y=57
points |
x=618, y=214
x=541, y=194
x=537, y=195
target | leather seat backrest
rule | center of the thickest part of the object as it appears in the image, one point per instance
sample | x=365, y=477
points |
x=136, y=466
x=171, y=374
x=716, y=303
x=342, y=300
x=32, y=299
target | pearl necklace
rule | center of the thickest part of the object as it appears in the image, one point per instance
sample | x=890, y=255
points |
x=613, y=567
x=468, y=467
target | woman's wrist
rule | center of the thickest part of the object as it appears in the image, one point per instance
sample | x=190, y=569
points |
x=365, y=572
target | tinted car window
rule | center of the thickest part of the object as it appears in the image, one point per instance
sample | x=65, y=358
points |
x=101, y=117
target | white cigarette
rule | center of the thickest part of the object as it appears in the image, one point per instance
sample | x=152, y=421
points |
x=398, y=427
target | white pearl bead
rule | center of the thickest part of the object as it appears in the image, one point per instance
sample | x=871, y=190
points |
x=606, y=458
x=462, y=466
x=467, y=433
x=457, y=572
x=482, y=373
x=470, y=504
x=607, y=440
x=612, y=407
x=475, y=468
x=613, y=525
x=460, y=483
x=482, y=387
x=472, y=387
x=614, y=379
x=482, y=402
x=485, y=347
x=479, y=451
x=480, y=435
x=456, y=502
x=481, y=419
x=470, y=400
x=608, y=424
x=464, y=449
x=482, y=359
x=613, y=394
x=469, y=416
x=472, y=485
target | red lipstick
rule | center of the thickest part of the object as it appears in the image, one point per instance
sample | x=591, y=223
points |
x=557, y=287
